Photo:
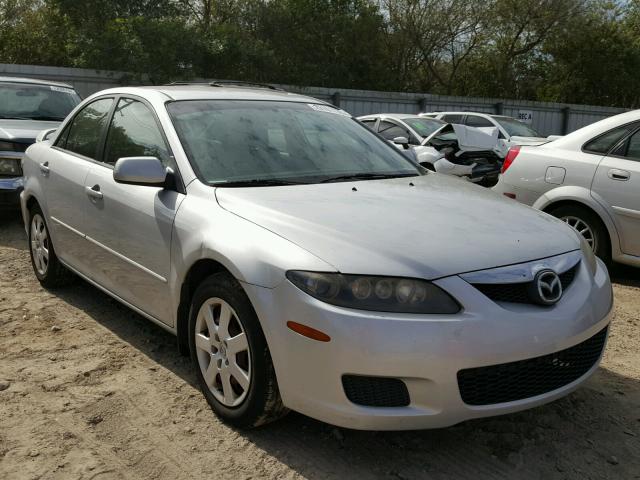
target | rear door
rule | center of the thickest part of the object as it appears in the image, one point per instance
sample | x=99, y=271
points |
x=129, y=227
x=617, y=183
x=63, y=176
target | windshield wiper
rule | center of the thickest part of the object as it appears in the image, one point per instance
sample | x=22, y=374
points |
x=46, y=118
x=43, y=118
x=367, y=176
x=256, y=182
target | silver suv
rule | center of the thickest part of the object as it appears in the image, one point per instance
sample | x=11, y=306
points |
x=27, y=107
x=305, y=263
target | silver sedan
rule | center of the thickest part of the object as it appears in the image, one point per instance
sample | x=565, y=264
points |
x=304, y=263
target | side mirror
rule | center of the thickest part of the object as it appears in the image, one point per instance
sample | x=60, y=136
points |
x=45, y=134
x=404, y=141
x=147, y=171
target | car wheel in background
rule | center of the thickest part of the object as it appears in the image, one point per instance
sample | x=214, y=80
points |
x=48, y=269
x=230, y=353
x=589, y=226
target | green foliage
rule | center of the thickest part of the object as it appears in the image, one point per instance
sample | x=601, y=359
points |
x=579, y=51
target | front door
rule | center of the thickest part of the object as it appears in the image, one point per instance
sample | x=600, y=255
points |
x=64, y=173
x=130, y=226
x=617, y=183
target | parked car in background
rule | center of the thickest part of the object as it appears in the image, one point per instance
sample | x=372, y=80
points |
x=442, y=147
x=590, y=179
x=513, y=131
x=27, y=107
x=393, y=125
x=305, y=263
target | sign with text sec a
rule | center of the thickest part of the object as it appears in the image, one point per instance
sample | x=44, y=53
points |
x=525, y=116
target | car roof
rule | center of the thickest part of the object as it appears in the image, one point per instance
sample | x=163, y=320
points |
x=577, y=138
x=35, y=81
x=214, y=92
x=397, y=116
x=485, y=114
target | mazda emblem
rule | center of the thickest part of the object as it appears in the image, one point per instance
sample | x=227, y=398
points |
x=546, y=288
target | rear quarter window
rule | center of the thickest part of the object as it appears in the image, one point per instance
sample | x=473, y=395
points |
x=603, y=143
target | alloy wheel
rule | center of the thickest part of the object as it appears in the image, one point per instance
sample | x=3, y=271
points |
x=583, y=229
x=39, y=244
x=223, y=352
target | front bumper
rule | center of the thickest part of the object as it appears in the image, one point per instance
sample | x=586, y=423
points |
x=10, y=188
x=426, y=352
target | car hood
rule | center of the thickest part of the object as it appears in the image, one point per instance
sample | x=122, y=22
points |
x=440, y=226
x=23, y=130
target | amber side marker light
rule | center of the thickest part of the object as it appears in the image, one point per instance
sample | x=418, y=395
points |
x=510, y=195
x=308, y=332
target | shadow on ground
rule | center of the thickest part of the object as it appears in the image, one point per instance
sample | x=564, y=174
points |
x=593, y=433
x=584, y=432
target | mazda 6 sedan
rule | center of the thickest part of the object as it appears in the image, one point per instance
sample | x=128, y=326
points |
x=304, y=263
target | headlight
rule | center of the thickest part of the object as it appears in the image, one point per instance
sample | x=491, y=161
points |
x=380, y=294
x=588, y=256
x=10, y=147
x=10, y=166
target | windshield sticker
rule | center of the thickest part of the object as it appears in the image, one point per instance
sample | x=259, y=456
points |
x=68, y=91
x=328, y=109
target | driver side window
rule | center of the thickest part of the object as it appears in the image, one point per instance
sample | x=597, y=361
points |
x=134, y=132
x=390, y=130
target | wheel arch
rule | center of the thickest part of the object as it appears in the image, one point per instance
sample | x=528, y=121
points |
x=553, y=200
x=196, y=274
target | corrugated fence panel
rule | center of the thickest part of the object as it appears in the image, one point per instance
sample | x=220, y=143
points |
x=547, y=118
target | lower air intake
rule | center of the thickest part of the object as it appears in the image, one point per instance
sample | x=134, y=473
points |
x=375, y=391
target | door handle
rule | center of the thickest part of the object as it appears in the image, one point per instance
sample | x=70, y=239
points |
x=94, y=192
x=44, y=168
x=622, y=175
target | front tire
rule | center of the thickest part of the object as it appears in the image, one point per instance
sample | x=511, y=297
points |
x=589, y=225
x=230, y=355
x=46, y=266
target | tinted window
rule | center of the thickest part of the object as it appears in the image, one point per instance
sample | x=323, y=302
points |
x=424, y=126
x=390, y=130
x=476, y=121
x=243, y=140
x=134, y=133
x=607, y=141
x=633, y=147
x=83, y=134
x=369, y=123
x=36, y=102
x=453, y=118
x=516, y=128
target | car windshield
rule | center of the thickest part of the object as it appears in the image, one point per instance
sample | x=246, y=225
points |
x=26, y=101
x=423, y=126
x=515, y=128
x=264, y=142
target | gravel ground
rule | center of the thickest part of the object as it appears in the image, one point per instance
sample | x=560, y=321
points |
x=90, y=390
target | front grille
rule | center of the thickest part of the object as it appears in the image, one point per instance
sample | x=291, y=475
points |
x=527, y=378
x=518, y=292
x=375, y=391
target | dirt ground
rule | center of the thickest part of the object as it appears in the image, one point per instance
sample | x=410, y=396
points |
x=90, y=390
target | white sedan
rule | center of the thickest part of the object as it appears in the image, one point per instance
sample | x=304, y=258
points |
x=590, y=179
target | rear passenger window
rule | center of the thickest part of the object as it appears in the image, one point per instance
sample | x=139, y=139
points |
x=476, y=121
x=369, y=123
x=453, y=118
x=630, y=148
x=82, y=136
x=134, y=133
x=605, y=142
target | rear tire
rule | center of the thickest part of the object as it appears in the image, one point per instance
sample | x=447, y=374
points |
x=231, y=356
x=589, y=225
x=46, y=266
